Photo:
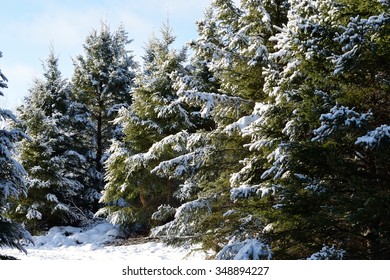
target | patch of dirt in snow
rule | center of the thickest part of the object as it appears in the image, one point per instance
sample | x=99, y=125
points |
x=133, y=241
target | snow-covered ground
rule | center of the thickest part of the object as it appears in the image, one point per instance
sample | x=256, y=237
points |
x=71, y=243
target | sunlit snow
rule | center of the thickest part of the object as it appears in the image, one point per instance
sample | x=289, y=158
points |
x=96, y=243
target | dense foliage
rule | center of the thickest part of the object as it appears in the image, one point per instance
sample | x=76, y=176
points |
x=12, y=184
x=52, y=154
x=271, y=141
x=102, y=83
x=152, y=126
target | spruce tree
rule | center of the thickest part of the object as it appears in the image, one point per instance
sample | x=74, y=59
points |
x=102, y=83
x=152, y=126
x=52, y=155
x=324, y=81
x=231, y=50
x=12, y=184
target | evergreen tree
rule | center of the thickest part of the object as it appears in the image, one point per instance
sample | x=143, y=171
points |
x=52, y=156
x=152, y=127
x=231, y=50
x=11, y=178
x=324, y=83
x=103, y=80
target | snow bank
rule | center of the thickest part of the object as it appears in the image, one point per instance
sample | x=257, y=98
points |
x=92, y=243
x=98, y=235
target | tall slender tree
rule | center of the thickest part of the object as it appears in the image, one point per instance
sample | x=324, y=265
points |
x=102, y=83
x=151, y=125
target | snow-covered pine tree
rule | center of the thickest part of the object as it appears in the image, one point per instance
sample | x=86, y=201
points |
x=154, y=128
x=12, y=182
x=325, y=182
x=102, y=83
x=231, y=50
x=52, y=155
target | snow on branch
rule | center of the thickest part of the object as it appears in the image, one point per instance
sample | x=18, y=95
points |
x=33, y=213
x=249, y=126
x=328, y=253
x=337, y=117
x=279, y=158
x=211, y=101
x=181, y=165
x=163, y=212
x=126, y=116
x=194, y=152
x=375, y=137
x=358, y=34
x=186, y=190
x=249, y=249
x=174, y=143
x=175, y=109
x=11, y=235
x=7, y=114
x=3, y=81
x=183, y=224
x=243, y=124
x=246, y=191
x=384, y=3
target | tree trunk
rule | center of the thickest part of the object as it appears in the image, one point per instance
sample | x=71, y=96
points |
x=143, y=199
x=99, y=144
x=169, y=191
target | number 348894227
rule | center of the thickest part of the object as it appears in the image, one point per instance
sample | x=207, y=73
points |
x=236, y=270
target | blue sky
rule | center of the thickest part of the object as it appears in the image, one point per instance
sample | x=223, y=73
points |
x=29, y=27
